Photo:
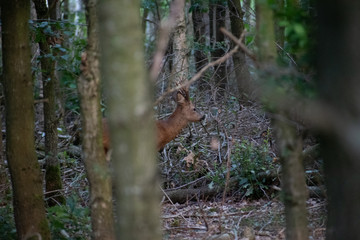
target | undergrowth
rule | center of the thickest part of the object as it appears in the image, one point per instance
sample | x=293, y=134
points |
x=250, y=166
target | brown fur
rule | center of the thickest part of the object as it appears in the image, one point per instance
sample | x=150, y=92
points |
x=167, y=129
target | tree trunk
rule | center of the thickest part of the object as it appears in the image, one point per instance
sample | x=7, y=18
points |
x=97, y=168
x=4, y=180
x=217, y=18
x=293, y=180
x=265, y=38
x=201, y=29
x=241, y=68
x=52, y=164
x=339, y=86
x=29, y=208
x=180, y=64
x=290, y=145
x=130, y=120
x=200, y=17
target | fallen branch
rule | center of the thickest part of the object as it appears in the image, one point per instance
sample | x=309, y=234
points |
x=192, y=194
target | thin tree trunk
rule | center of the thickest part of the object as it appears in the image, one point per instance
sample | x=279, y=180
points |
x=29, y=208
x=217, y=18
x=4, y=180
x=293, y=180
x=52, y=164
x=97, y=168
x=241, y=68
x=201, y=25
x=180, y=64
x=130, y=119
x=200, y=17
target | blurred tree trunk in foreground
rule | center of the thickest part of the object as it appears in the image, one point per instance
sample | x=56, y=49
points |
x=28, y=198
x=339, y=86
x=289, y=143
x=97, y=168
x=131, y=120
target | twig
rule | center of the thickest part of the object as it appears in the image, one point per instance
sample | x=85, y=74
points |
x=43, y=100
x=198, y=74
x=287, y=54
x=167, y=196
x=187, y=184
x=211, y=64
x=228, y=165
x=238, y=43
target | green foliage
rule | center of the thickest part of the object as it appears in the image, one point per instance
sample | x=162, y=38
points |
x=161, y=7
x=203, y=48
x=148, y=4
x=299, y=33
x=248, y=162
x=67, y=41
x=7, y=222
x=199, y=5
x=70, y=221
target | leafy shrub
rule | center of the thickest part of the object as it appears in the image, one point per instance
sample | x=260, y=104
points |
x=7, y=222
x=70, y=221
x=248, y=164
x=248, y=161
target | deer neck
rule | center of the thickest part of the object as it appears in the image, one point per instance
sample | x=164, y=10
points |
x=177, y=121
x=172, y=126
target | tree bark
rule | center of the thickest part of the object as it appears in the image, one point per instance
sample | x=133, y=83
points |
x=200, y=17
x=28, y=198
x=97, y=168
x=293, y=181
x=217, y=18
x=130, y=120
x=4, y=180
x=339, y=87
x=265, y=38
x=180, y=63
x=201, y=29
x=52, y=164
x=241, y=68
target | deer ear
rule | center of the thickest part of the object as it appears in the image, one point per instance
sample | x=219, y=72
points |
x=180, y=99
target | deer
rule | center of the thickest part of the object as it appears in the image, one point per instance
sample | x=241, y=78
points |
x=167, y=129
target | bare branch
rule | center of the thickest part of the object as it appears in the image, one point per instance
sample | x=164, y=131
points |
x=239, y=43
x=198, y=74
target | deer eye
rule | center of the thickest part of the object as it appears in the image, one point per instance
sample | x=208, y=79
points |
x=194, y=109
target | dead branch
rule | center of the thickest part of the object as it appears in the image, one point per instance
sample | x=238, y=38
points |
x=198, y=74
x=239, y=43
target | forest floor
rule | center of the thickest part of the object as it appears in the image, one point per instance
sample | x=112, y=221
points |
x=233, y=138
x=246, y=142
x=260, y=220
